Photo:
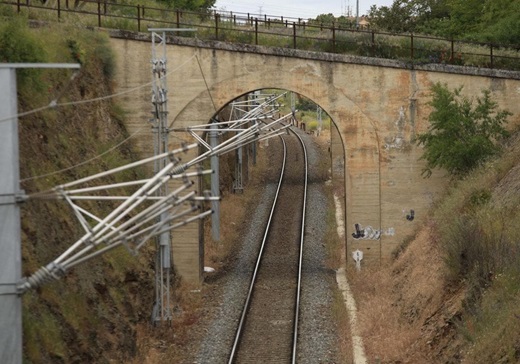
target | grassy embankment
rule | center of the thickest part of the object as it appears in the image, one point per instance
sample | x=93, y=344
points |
x=93, y=313
x=452, y=293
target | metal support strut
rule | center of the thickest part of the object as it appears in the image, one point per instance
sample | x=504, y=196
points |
x=162, y=307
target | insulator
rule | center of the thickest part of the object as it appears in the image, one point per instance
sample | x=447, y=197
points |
x=38, y=278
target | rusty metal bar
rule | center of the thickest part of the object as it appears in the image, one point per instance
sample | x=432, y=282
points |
x=216, y=26
x=138, y=18
x=411, y=46
x=99, y=12
x=491, y=55
x=333, y=39
x=256, y=31
x=294, y=35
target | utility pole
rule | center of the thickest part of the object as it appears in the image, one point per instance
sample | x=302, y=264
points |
x=10, y=258
x=215, y=182
x=162, y=306
x=162, y=309
x=293, y=107
x=357, y=14
x=10, y=197
x=238, y=185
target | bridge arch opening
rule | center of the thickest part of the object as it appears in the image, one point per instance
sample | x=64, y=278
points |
x=236, y=168
x=378, y=108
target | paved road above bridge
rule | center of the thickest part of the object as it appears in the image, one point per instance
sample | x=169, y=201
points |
x=378, y=106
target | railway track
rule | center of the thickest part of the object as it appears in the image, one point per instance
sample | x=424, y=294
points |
x=268, y=327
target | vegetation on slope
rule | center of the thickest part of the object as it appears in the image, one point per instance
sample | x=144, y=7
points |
x=453, y=292
x=91, y=315
x=312, y=35
x=476, y=227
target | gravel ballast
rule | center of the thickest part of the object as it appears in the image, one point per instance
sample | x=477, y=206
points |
x=318, y=338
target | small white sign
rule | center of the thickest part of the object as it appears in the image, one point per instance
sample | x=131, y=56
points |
x=358, y=257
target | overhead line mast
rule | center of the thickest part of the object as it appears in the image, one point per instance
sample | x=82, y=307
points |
x=162, y=307
x=10, y=197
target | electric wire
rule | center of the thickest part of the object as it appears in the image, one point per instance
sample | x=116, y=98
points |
x=206, y=83
x=53, y=104
x=84, y=162
x=131, y=221
x=207, y=88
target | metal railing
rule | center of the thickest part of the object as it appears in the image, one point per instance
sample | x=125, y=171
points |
x=286, y=32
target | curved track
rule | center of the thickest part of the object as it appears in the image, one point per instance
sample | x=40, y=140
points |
x=268, y=327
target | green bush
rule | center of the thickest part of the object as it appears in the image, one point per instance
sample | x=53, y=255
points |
x=478, y=247
x=460, y=136
x=104, y=53
x=18, y=45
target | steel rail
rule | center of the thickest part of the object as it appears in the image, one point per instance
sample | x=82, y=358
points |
x=245, y=310
x=257, y=265
x=300, y=261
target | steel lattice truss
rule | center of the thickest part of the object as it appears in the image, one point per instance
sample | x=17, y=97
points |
x=256, y=123
x=135, y=221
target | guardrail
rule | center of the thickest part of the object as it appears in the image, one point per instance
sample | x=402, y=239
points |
x=281, y=32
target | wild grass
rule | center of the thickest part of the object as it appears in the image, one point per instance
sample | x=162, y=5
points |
x=474, y=233
x=312, y=124
x=71, y=317
x=334, y=244
x=340, y=314
x=381, y=324
x=494, y=330
x=42, y=332
x=476, y=228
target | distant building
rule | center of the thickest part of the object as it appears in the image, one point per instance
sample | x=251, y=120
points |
x=364, y=23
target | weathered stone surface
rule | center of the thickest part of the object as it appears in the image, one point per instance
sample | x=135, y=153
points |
x=378, y=106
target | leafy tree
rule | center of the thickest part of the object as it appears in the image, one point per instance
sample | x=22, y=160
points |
x=305, y=104
x=499, y=22
x=460, y=136
x=495, y=21
x=408, y=15
x=325, y=19
x=190, y=5
x=18, y=45
x=395, y=18
x=345, y=22
x=465, y=16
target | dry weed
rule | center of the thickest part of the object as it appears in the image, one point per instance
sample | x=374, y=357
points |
x=395, y=300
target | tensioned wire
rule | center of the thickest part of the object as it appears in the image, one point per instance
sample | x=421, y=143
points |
x=84, y=162
x=54, y=104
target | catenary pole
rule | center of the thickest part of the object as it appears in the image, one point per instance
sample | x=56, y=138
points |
x=357, y=14
x=10, y=196
x=10, y=256
x=215, y=181
x=162, y=307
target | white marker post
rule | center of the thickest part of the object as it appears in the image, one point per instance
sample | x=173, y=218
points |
x=358, y=257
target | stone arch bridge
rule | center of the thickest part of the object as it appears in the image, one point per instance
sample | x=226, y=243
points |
x=378, y=106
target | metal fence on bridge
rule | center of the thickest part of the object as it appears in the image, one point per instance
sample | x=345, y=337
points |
x=273, y=31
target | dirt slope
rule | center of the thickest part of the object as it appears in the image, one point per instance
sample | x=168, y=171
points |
x=413, y=310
